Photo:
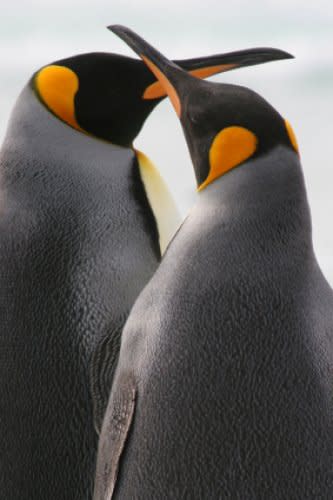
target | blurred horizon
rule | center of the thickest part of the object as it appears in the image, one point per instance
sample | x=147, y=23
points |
x=35, y=33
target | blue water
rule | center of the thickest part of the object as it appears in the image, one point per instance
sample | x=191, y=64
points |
x=34, y=33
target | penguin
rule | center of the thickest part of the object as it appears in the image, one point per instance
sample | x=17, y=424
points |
x=223, y=389
x=84, y=219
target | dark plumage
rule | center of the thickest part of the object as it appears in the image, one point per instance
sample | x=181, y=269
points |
x=74, y=253
x=228, y=351
x=79, y=239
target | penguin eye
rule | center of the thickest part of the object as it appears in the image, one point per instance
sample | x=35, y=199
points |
x=194, y=118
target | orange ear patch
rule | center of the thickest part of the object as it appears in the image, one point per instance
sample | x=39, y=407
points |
x=292, y=136
x=156, y=89
x=57, y=86
x=230, y=147
x=165, y=83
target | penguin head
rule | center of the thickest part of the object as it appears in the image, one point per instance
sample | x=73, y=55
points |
x=109, y=96
x=98, y=93
x=224, y=125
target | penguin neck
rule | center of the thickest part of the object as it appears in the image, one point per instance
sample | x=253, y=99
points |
x=261, y=199
x=92, y=190
x=32, y=127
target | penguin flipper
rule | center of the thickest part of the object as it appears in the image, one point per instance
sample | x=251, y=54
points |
x=103, y=364
x=116, y=425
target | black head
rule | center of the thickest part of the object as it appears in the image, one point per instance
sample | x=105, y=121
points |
x=110, y=96
x=98, y=93
x=224, y=125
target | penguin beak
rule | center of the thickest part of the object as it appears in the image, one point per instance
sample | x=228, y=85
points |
x=167, y=72
x=175, y=80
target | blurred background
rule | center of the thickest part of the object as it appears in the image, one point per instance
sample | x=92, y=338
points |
x=35, y=32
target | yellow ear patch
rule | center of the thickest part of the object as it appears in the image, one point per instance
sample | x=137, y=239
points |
x=57, y=86
x=292, y=136
x=230, y=147
x=156, y=90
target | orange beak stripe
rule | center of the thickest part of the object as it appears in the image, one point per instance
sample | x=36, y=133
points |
x=156, y=90
x=169, y=88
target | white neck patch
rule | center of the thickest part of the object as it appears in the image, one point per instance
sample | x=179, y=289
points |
x=161, y=202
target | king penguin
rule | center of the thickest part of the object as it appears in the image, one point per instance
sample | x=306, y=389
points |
x=84, y=219
x=223, y=388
